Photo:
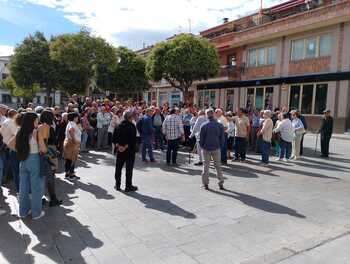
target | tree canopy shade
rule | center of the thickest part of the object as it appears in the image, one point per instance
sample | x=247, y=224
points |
x=183, y=60
x=31, y=66
x=83, y=57
x=128, y=76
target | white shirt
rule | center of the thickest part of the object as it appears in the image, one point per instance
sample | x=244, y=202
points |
x=197, y=126
x=8, y=130
x=33, y=143
x=77, y=131
x=286, y=129
x=103, y=119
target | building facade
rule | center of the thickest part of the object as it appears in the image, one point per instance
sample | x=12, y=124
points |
x=296, y=55
x=7, y=99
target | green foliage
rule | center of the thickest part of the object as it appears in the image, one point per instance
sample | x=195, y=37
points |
x=183, y=60
x=128, y=75
x=10, y=85
x=82, y=57
x=28, y=63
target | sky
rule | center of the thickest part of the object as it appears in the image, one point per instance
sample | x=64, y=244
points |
x=130, y=23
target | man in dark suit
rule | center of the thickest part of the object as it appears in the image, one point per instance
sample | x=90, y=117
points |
x=124, y=138
x=326, y=131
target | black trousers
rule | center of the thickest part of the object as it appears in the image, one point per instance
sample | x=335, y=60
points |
x=128, y=159
x=240, y=148
x=69, y=166
x=171, y=152
x=325, y=145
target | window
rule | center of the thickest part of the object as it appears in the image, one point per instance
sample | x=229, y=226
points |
x=320, y=98
x=206, y=98
x=6, y=99
x=325, y=45
x=271, y=55
x=297, y=50
x=311, y=47
x=259, y=98
x=268, y=98
x=230, y=99
x=231, y=60
x=261, y=56
x=306, y=99
x=310, y=99
x=252, y=58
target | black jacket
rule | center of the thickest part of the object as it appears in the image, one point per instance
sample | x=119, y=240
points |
x=125, y=134
x=327, y=127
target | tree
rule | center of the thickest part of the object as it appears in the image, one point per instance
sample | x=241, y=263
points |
x=31, y=66
x=16, y=91
x=128, y=75
x=82, y=56
x=183, y=60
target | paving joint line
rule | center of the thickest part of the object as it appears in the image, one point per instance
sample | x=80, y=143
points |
x=322, y=243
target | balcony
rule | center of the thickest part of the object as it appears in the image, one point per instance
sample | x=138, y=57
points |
x=229, y=72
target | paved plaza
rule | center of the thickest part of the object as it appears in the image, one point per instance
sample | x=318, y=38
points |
x=295, y=213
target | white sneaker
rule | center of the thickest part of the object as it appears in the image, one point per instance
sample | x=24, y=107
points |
x=40, y=216
x=29, y=213
x=277, y=159
x=285, y=160
x=2, y=212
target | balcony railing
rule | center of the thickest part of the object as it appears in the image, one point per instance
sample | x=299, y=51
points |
x=232, y=72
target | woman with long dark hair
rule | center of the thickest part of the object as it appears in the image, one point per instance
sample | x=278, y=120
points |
x=48, y=154
x=27, y=148
x=71, y=146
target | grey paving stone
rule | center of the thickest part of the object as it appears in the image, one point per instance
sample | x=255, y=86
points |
x=265, y=214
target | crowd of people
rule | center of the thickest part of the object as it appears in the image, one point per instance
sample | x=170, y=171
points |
x=33, y=139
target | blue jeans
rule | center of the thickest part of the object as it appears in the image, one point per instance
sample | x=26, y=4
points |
x=158, y=136
x=14, y=164
x=265, y=150
x=84, y=138
x=31, y=180
x=147, y=146
x=286, y=149
x=224, y=150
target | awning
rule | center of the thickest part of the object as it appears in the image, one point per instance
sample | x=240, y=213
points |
x=311, y=78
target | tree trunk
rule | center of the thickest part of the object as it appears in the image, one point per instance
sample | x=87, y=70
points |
x=87, y=87
x=185, y=93
x=48, y=94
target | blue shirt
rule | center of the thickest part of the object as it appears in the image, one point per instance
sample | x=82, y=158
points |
x=211, y=135
x=147, y=126
x=186, y=119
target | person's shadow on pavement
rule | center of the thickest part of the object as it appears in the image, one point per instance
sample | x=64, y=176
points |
x=259, y=203
x=161, y=205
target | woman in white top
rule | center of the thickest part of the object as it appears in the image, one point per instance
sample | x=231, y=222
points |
x=298, y=132
x=71, y=145
x=26, y=145
x=8, y=130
